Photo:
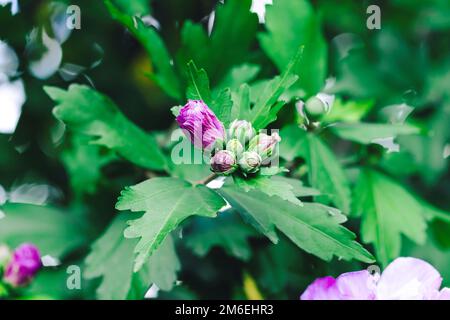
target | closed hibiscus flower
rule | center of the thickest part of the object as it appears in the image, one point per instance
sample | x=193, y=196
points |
x=200, y=124
x=403, y=279
x=23, y=266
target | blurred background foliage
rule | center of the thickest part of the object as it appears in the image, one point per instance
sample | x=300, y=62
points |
x=406, y=62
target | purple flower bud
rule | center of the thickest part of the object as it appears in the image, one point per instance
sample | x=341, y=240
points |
x=200, y=124
x=223, y=162
x=265, y=145
x=23, y=266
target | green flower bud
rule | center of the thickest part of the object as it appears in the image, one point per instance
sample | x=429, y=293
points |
x=315, y=107
x=235, y=146
x=241, y=130
x=250, y=162
x=265, y=145
x=318, y=105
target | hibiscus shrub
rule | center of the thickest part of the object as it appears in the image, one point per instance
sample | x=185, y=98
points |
x=184, y=149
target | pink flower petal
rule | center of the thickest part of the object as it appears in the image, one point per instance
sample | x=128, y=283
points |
x=200, y=124
x=408, y=278
x=444, y=294
x=322, y=289
x=359, y=285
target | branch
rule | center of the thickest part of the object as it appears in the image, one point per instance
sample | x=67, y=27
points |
x=207, y=180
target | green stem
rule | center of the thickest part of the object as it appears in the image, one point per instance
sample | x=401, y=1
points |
x=207, y=180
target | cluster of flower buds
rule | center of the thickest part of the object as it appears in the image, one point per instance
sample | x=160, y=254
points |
x=20, y=266
x=238, y=148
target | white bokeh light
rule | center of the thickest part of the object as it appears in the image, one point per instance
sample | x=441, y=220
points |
x=259, y=7
x=8, y=61
x=12, y=93
x=14, y=7
x=50, y=61
x=12, y=97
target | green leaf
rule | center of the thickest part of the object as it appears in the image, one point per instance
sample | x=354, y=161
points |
x=268, y=104
x=83, y=163
x=268, y=185
x=291, y=24
x=241, y=103
x=229, y=43
x=239, y=75
x=190, y=172
x=433, y=213
x=324, y=171
x=51, y=283
x=111, y=258
x=313, y=227
x=427, y=150
x=388, y=211
x=135, y=7
x=193, y=37
x=166, y=202
x=53, y=231
x=366, y=133
x=186, y=163
x=198, y=89
x=298, y=188
x=348, y=111
x=198, y=84
x=86, y=111
x=273, y=170
x=226, y=231
x=280, y=266
x=160, y=58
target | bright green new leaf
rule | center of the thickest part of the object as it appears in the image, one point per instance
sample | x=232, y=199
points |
x=111, y=258
x=226, y=231
x=165, y=75
x=324, y=171
x=222, y=103
x=166, y=202
x=268, y=102
x=198, y=89
x=238, y=75
x=241, y=103
x=313, y=227
x=198, y=84
x=53, y=231
x=268, y=185
x=388, y=211
x=88, y=112
x=291, y=24
x=367, y=133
